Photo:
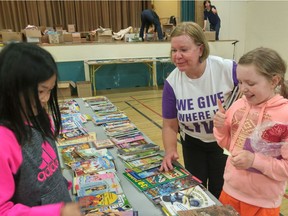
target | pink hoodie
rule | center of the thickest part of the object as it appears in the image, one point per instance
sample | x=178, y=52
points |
x=265, y=188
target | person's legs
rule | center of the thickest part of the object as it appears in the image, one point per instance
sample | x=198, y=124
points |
x=217, y=29
x=195, y=158
x=216, y=166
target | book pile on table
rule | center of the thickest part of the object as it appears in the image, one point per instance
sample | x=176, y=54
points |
x=225, y=210
x=104, y=110
x=96, y=187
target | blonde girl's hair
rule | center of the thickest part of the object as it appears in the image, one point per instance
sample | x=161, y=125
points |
x=195, y=32
x=268, y=63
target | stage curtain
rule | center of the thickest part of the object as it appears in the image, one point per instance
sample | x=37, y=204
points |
x=86, y=15
x=187, y=10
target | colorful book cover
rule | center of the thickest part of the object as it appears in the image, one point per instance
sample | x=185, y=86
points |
x=106, y=143
x=94, y=153
x=144, y=161
x=138, y=149
x=99, y=186
x=92, y=166
x=140, y=184
x=146, y=167
x=225, y=210
x=138, y=156
x=90, y=138
x=191, y=198
x=170, y=187
x=114, y=213
x=104, y=202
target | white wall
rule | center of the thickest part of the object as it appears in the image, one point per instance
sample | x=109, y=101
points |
x=254, y=23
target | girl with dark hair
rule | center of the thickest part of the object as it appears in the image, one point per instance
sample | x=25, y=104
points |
x=31, y=177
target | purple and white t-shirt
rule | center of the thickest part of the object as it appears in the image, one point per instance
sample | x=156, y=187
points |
x=194, y=101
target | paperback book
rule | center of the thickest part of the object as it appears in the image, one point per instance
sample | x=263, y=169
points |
x=91, y=137
x=191, y=198
x=106, y=143
x=92, y=166
x=223, y=210
x=138, y=149
x=98, y=184
x=155, y=193
x=104, y=202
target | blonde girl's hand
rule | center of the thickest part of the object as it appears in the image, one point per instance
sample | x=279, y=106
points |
x=71, y=209
x=243, y=159
x=220, y=116
x=167, y=161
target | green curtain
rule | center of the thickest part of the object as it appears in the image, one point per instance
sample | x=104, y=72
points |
x=187, y=10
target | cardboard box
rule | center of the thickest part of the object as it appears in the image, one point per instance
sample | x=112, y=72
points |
x=64, y=88
x=107, y=32
x=67, y=37
x=210, y=35
x=53, y=38
x=71, y=28
x=76, y=37
x=11, y=36
x=32, y=35
x=84, y=89
x=167, y=28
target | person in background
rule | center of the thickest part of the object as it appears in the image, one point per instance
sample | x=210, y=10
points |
x=31, y=180
x=210, y=13
x=189, y=102
x=150, y=18
x=255, y=132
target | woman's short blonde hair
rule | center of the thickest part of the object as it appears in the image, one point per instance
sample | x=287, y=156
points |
x=195, y=32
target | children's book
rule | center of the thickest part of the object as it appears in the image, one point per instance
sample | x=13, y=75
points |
x=144, y=161
x=114, y=213
x=131, y=144
x=69, y=154
x=191, y=198
x=138, y=149
x=140, y=155
x=104, y=202
x=106, y=143
x=91, y=186
x=91, y=137
x=170, y=187
x=94, y=153
x=223, y=210
x=92, y=166
x=146, y=167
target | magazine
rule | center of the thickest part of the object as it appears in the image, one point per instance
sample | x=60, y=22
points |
x=223, y=210
x=106, y=143
x=170, y=187
x=190, y=198
x=104, y=202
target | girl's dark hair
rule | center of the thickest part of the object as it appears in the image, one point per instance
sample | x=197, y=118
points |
x=205, y=3
x=22, y=67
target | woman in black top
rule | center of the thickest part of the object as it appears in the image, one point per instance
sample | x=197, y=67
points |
x=210, y=13
x=149, y=18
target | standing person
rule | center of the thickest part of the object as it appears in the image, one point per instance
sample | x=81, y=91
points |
x=189, y=102
x=210, y=13
x=150, y=18
x=31, y=181
x=255, y=130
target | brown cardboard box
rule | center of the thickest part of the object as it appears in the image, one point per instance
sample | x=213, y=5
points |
x=64, y=88
x=71, y=28
x=11, y=36
x=32, y=35
x=76, y=36
x=210, y=35
x=84, y=89
x=67, y=37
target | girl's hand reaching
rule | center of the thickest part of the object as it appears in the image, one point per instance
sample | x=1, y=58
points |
x=71, y=209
